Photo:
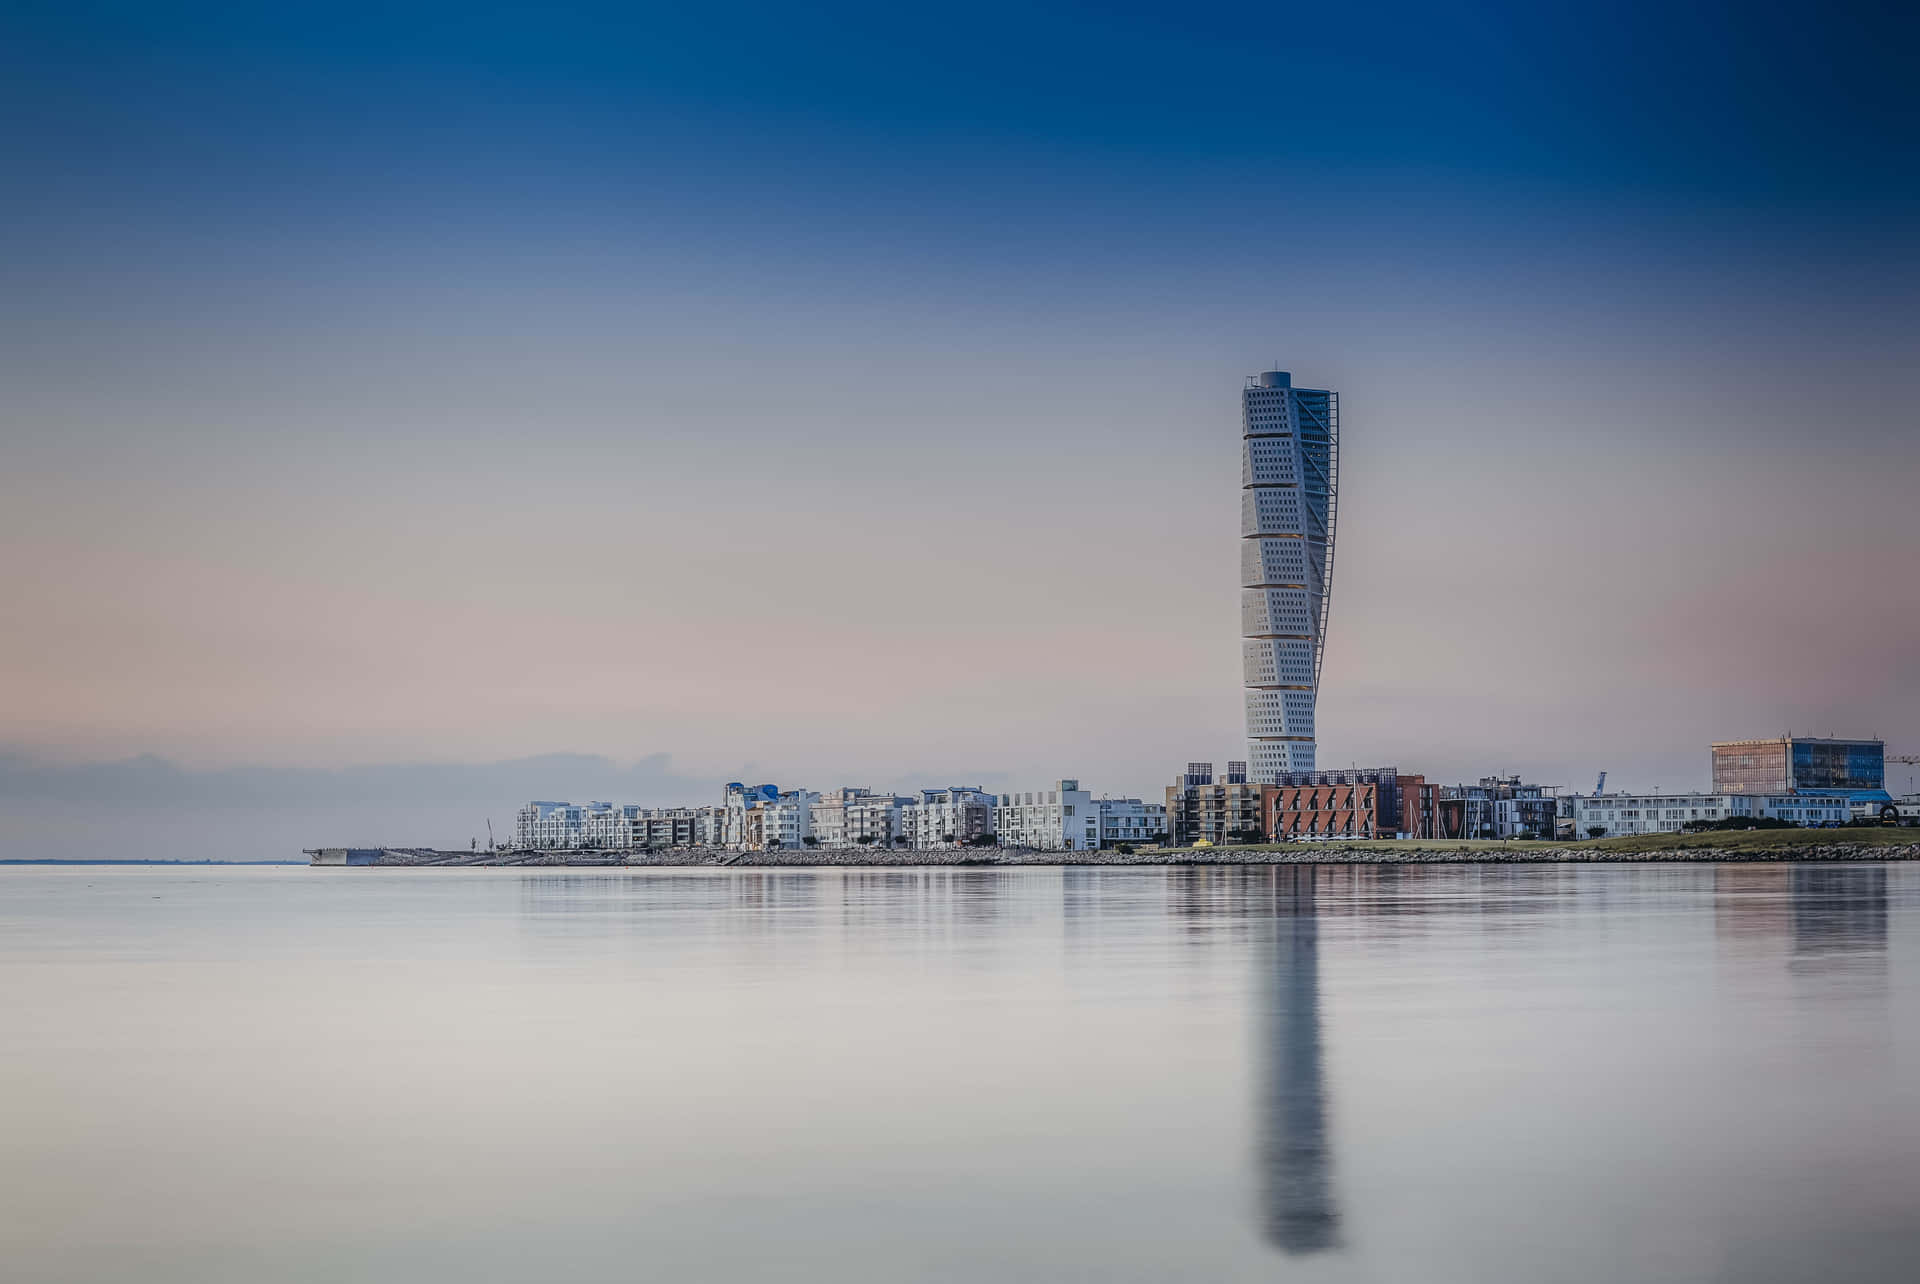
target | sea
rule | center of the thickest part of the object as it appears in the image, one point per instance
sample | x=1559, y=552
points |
x=1382, y=1073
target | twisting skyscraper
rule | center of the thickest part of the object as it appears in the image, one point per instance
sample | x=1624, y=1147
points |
x=1289, y=479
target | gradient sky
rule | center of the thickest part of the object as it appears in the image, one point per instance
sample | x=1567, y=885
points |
x=848, y=393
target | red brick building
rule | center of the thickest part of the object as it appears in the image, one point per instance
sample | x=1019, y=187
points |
x=1378, y=803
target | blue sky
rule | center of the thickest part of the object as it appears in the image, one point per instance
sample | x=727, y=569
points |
x=860, y=381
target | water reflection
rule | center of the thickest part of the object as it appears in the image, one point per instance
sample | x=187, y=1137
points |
x=1539, y=958
x=1826, y=919
x=871, y=1075
x=1274, y=914
x=1299, y=1211
x=1839, y=913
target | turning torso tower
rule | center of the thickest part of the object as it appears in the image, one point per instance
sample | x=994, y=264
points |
x=1289, y=477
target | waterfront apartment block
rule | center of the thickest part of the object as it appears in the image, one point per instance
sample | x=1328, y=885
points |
x=762, y=817
x=1497, y=807
x=553, y=826
x=950, y=817
x=1791, y=763
x=1375, y=802
x=1064, y=818
x=1289, y=487
x=1067, y=818
x=787, y=821
x=1232, y=809
x=849, y=817
x=759, y=817
x=1129, y=820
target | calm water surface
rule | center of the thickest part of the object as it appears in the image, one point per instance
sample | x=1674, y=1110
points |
x=1429, y=1074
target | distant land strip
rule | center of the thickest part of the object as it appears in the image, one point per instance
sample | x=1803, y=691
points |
x=1757, y=845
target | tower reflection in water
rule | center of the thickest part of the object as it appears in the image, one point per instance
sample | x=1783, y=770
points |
x=1298, y=1208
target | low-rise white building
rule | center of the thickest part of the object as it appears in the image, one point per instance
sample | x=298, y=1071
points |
x=1803, y=808
x=1644, y=813
x=1614, y=814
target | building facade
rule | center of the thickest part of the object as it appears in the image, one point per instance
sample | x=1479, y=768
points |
x=850, y=817
x=758, y=817
x=951, y=817
x=553, y=826
x=1375, y=802
x=1497, y=807
x=874, y=820
x=1289, y=486
x=677, y=827
x=1788, y=763
x=787, y=821
x=742, y=825
x=1064, y=818
x=1129, y=820
x=1614, y=814
x=1233, y=809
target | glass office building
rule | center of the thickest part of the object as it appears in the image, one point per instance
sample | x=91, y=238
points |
x=1790, y=764
x=1289, y=483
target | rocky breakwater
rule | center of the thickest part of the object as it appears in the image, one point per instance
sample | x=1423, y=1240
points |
x=1410, y=852
x=1415, y=853
x=1833, y=847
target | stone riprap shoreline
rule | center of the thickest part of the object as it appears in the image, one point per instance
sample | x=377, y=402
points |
x=1398, y=853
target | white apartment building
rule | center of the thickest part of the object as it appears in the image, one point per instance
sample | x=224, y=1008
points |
x=608, y=826
x=621, y=827
x=1062, y=819
x=740, y=826
x=1802, y=809
x=787, y=821
x=830, y=817
x=761, y=816
x=1668, y=813
x=674, y=827
x=876, y=820
x=849, y=817
x=948, y=817
x=552, y=825
x=1129, y=820
x=1645, y=813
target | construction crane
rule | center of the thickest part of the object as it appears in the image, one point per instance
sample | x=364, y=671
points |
x=1600, y=787
x=1910, y=759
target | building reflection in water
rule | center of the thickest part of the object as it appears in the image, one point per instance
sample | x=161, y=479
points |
x=1826, y=918
x=1276, y=908
x=1839, y=914
x=1295, y=1157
